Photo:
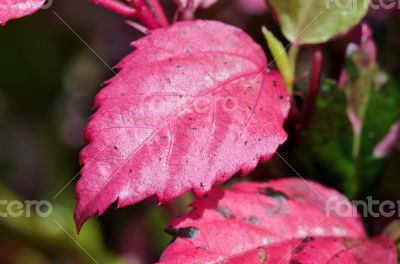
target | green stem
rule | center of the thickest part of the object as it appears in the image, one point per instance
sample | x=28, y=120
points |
x=357, y=138
x=398, y=253
x=293, y=53
x=354, y=190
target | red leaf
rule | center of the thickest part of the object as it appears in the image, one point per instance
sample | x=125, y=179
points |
x=11, y=9
x=275, y=216
x=190, y=107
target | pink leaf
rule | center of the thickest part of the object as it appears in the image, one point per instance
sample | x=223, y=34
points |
x=11, y=9
x=252, y=7
x=329, y=250
x=189, y=108
x=188, y=7
x=267, y=221
x=389, y=143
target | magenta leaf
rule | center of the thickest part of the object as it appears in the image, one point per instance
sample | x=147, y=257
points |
x=188, y=7
x=11, y=9
x=252, y=7
x=287, y=220
x=149, y=13
x=329, y=250
x=390, y=143
x=189, y=108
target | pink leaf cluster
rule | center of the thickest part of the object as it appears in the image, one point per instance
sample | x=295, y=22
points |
x=282, y=221
x=12, y=9
x=149, y=13
x=188, y=7
x=192, y=106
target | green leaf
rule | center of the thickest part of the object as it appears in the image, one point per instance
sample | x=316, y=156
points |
x=398, y=253
x=326, y=150
x=325, y=146
x=317, y=21
x=280, y=57
x=351, y=120
x=382, y=112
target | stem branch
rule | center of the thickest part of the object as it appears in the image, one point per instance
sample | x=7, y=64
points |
x=315, y=82
x=117, y=7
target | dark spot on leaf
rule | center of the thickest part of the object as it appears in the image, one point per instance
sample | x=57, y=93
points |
x=168, y=80
x=262, y=255
x=165, y=137
x=299, y=248
x=253, y=219
x=245, y=143
x=185, y=232
x=293, y=261
x=201, y=185
x=130, y=170
x=170, y=59
x=274, y=194
x=179, y=67
x=225, y=212
x=307, y=239
x=272, y=210
x=348, y=243
x=190, y=118
x=274, y=83
x=115, y=147
x=160, y=159
x=195, y=128
x=281, y=97
x=249, y=107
